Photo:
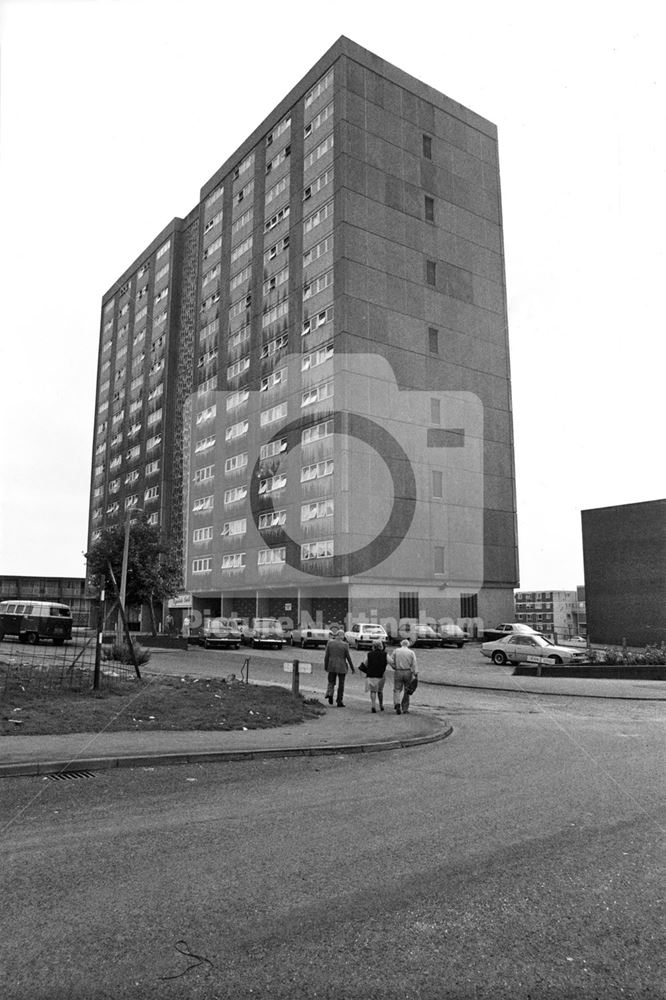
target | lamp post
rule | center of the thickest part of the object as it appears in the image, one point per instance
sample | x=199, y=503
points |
x=123, y=572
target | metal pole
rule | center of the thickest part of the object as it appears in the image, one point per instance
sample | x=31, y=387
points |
x=123, y=577
x=100, y=636
x=294, y=678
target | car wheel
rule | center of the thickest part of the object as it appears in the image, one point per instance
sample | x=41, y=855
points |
x=58, y=642
x=499, y=657
x=32, y=638
x=555, y=659
x=459, y=645
x=356, y=645
x=2, y=635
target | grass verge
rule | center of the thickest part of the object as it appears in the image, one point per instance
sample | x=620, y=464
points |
x=160, y=703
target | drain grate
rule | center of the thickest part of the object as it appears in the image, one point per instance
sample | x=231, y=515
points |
x=69, y=775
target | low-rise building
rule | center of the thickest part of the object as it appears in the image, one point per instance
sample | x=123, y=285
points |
x=553, y=612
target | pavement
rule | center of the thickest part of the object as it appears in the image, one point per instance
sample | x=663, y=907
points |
x=352, y=729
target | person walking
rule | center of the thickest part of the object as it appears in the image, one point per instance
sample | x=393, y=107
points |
x=405, y=668
x=336, y=661
x=375, y=670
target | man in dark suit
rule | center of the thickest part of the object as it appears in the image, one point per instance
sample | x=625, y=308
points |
x=336, y=661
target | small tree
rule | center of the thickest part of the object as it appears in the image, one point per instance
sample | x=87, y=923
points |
x=153, y=569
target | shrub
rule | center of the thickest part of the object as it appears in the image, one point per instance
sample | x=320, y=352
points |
x=121, y=654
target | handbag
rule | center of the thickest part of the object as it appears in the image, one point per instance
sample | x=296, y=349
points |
x=413, y=684
x=363, y=667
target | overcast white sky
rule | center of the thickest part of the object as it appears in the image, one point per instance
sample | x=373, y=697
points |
x=114, y=112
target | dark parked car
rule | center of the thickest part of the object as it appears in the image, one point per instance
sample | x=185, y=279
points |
x=220, y=632
x=507, y=628
x=452, y=635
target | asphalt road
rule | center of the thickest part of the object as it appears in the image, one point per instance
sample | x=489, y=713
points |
x=521, y=858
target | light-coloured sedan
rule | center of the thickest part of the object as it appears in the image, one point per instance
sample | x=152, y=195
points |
x=310, y=635
x=530, y=649
x=365, y=633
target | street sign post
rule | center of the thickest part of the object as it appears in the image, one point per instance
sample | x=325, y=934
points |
x=296, y=667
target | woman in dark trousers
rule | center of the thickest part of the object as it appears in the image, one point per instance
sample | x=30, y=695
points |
x=374, y=673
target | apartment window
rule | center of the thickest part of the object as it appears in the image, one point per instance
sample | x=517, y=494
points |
x=433, y=340
x=273, y=346
x=431, y=272
x=210, y=275
x=236, y=399
x=272, y=483
x=236, y=560
x=214, y=196
x=279, y=130
x=202, y=534
x=272, y=449
x=318, y=120
x=153, y=442
x=151, y=493
x=319, y=319
x=236, y=463
x=244, y=192
x=272, y=519
x=280, y=188
x=317, y=550
x=241, y=278
x=238, y=367
x=317, y=250
x=114, y=486
x=212, y=247
x=273, y=252
x=143, y=311
x=272, y=557
x=154, y=418
x=204, y=445
x=236, y=431
x=276, y=219
x=217, y=218
x=161, y=295
x=313, y=286
x=437, y=484
x=131, y=501
x=237, y=527
x=235, y=495
x=241, y=249
x=317, y=471
x=204, y=565
x=161, y=273
x=274, y=314
x=201, y=475
x=242, y=221
x=275, y=280
x=316, y=510
x=318, y=183
x=429, y=208
x=244, y=166
x=427, y=147
x=210, y=301
x=274, y=379
x=322, y=213
x=319, y=88
x=163, y=249
x=131, y=477
x=317, y=358
x=278, y=159
x=203, y=503
x=152, y=468
x=203, y=416
x=317, y=394
x=273, y=414
x=435, y=411
x=318, y=152
x=317, y=433
x=239, y=337
x=438, y=560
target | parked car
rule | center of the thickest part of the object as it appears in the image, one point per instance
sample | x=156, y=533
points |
x=452, y=635
x=523, y=647
x=417, y=635
x=507, y=628
x=365, y=633
x=574, y=640
x=310, y=635
x=265, y=632
x=221, y=632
